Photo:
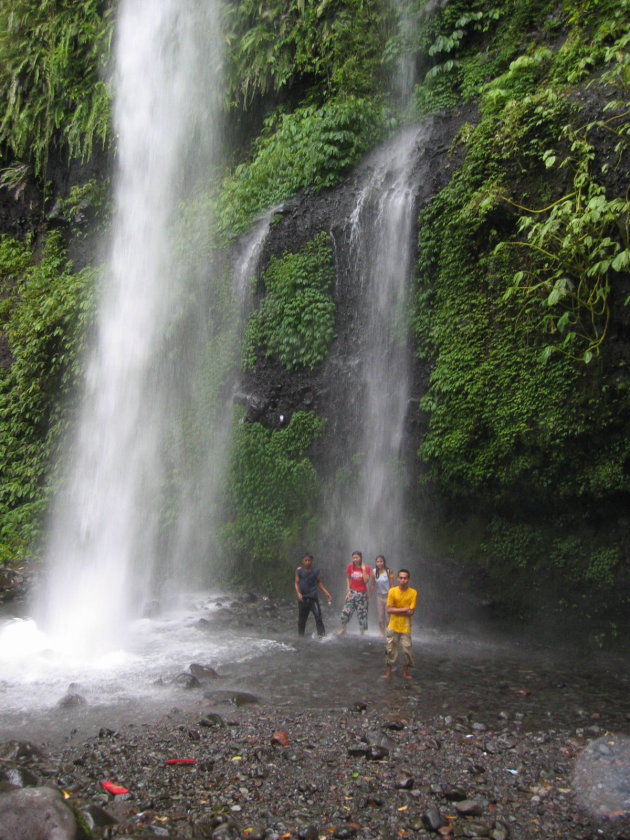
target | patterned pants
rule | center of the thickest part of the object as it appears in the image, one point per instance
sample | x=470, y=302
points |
x=355, y=601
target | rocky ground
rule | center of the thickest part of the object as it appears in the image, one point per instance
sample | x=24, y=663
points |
x=486, y=742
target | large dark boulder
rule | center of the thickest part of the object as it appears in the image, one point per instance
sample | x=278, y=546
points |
x=37, y=814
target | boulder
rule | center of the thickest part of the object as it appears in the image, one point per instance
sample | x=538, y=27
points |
x=38, y=813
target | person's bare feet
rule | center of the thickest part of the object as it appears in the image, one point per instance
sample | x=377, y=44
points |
x=386, y=676
x=405, y=674
x=341, y=631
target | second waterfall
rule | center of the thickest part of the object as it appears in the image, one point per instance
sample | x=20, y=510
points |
x=367, y=508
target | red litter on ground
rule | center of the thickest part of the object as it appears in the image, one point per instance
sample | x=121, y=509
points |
x=180, y=761
x=115, y=790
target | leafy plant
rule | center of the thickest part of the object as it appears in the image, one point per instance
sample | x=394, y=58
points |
x=85, y=202
x=565, y=290
x=51, y=55
x=332, y=44
x=323, y=142
x=577, y=245
x=45, y=315
x=272, y=494
x=451, y=42
x=296, y=317
x=464, y=45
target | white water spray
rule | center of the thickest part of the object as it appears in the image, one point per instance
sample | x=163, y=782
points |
x=105, y=538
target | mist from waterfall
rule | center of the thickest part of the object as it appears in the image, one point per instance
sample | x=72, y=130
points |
x=108, y=544
x=194, y=547
x=381, y=240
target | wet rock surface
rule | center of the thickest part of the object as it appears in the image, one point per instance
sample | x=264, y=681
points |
x=15, y=582
x=486, y=741
x=36, y=813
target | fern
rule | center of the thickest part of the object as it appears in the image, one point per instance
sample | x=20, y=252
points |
x=50, y=57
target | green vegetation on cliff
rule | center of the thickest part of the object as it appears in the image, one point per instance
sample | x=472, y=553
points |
x=272, y=495
x=325, y=141
x=522, y=275
x=328, y=48
x=45, y=309
x=296, y=317
x=52, y=56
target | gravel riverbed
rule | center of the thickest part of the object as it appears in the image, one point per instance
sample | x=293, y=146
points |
x=494, y=741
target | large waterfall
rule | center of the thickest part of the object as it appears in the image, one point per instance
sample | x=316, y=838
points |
x=108, y=540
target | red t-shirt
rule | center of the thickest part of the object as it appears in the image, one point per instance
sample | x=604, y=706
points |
x=355, y=573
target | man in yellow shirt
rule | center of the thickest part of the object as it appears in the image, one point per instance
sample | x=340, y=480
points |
x=401, y=605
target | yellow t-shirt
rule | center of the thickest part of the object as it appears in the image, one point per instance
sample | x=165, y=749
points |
x=397, y=598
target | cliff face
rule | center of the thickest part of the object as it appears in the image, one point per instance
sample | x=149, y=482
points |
x=270, y=390
x=368, y=386
x=496, y=442
x=519, y=511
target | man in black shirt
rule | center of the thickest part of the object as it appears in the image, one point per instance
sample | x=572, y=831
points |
x=307, y=583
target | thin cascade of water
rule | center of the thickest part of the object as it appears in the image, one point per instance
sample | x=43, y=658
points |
x=248, y=255
x=199, y=499
x=405, y=72
x=381, y=245
x=105, y=535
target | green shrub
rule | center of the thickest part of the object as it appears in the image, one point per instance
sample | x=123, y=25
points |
x=51, y=55
x=295, y=320
x=311, y=147
x=466, y=45
x=333, y=45
x=45, y=315
x=272, y=496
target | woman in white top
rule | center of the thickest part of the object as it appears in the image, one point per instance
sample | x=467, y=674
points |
x=382, y=580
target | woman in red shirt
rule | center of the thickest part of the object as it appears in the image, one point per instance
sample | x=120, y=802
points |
x=357, y=577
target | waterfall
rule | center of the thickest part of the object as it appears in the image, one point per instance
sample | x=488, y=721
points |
x=107, y=538
x=381, y=240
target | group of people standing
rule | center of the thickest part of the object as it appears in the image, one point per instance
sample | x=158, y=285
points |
x=395, y=604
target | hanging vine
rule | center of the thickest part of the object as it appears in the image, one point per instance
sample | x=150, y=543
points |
x=575, y=246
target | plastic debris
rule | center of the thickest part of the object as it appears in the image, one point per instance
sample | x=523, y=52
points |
x=115, y=790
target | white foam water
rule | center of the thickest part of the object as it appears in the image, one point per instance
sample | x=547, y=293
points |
x=38, y=670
